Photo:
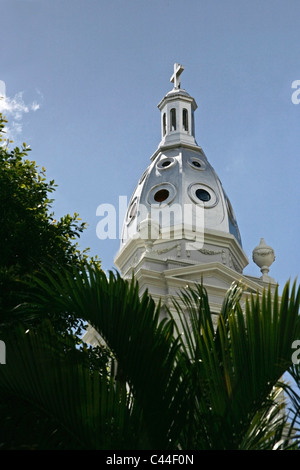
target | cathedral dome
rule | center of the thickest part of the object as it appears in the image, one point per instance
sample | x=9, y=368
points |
x=177, y=183
x=179, y=192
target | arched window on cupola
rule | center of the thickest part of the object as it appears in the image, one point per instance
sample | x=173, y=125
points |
x=185, y=119
x=193, y=125
x=173, y=119
x=164, y=124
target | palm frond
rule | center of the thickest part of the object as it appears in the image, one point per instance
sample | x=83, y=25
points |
x=68, y=406
x=179, y=382
x=234, y=367
x=142, y=343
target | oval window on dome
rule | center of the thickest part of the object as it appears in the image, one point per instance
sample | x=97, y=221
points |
x=166, y=162
x=132, y=210
x=143, y=176
x=161, y=194
x=201, y=193
x=196, y=163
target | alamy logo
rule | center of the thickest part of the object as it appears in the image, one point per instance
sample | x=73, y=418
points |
x=169, y=222
x=2, y=352
x=296, y=354
x=296, y=94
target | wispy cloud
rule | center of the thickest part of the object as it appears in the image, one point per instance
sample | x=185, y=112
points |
x=14, y=109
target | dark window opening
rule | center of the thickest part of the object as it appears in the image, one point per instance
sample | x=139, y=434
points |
x=185, y=119
x=173, y=119
x=166, y=163
x=193, y=125
x=132, y=211
x=203, y=195
x=196, y=163
x=143, y=176
x=164, y=124
x=161, y=195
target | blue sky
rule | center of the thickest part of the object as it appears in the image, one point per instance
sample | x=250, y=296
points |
x=83, y=79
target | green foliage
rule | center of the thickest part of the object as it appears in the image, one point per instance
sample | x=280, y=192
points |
x=32, y=239
x=113, y=307
x=193, y=383
x=235, y=366
x=292, y=390
x=30, y=235
x=52, y=400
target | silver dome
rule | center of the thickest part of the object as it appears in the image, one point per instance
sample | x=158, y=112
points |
x=177, y=181
x=179, y=191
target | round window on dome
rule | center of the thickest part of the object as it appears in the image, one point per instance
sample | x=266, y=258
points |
x=161, y=195
x=143, y=176
x=196, y=163
x=132, y=211
x=203, y=195
x=165, y=162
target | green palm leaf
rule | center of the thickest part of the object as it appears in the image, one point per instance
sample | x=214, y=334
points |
x=142, y=343
x=234, y=366
x=191, y=383
x=66, y=405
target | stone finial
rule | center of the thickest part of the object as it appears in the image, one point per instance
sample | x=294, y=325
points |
x=263, y=256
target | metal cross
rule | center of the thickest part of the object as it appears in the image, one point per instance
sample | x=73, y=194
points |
x=178, y=69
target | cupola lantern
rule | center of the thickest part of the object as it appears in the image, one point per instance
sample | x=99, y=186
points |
x=177, y=114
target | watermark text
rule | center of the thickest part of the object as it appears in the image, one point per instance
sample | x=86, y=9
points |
x=296, y=94
x=296, y=354
x=154, y=221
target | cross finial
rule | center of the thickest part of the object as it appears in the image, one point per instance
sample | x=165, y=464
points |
x=178, y=69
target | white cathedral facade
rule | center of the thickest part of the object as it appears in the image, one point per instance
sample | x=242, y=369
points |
x=180, y=228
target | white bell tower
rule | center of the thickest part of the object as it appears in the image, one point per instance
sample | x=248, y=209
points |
x=180, y=226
